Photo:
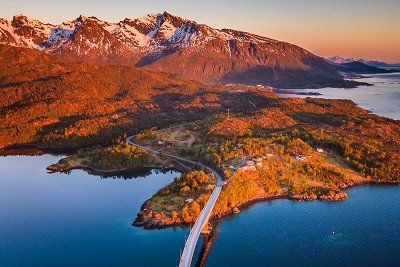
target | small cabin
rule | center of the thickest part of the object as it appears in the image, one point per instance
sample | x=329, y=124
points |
x=301, y=158
x=249, y=163
x=189, y=200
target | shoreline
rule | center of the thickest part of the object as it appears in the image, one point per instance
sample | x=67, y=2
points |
x=272, y=198
x=110, y=173
x=248, y=204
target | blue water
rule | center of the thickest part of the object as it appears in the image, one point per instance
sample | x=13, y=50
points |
x=366, y=232
x=78, y=219
x=382, y=99
x=82, y=219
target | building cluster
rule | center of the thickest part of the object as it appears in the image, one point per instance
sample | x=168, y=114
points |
x=251, y=164
x=303, y=157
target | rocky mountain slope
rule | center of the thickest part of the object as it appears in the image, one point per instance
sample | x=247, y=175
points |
x=167, y=43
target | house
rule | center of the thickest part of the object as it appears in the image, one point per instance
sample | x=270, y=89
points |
x=268, y=155
x=189, y=200
x=259, y=161
x=301, y=157
x=249, y=163
x=248, y=168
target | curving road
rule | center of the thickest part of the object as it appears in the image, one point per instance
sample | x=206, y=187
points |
x=202, y=220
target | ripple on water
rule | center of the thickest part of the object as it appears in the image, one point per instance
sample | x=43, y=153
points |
x=361, y=230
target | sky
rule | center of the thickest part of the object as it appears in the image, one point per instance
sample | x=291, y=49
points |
x=367, y=29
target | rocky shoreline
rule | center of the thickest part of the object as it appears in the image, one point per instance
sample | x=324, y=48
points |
x=141, y=221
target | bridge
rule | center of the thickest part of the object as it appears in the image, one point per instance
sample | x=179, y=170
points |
x=202, y=220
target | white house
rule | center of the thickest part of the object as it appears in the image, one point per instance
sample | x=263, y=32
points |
x=301, y=158
x=189, y=200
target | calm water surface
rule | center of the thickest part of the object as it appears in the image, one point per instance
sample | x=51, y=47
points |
x=81, y=219
x=382, y=99
x=78, y=219
x=363, y=230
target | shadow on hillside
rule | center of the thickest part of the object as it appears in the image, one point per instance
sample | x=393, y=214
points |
x=161, y=111
x=283, y=78
x=152, y=57
x=42, y=79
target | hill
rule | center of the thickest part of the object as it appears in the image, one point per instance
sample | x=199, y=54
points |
x=361, y=68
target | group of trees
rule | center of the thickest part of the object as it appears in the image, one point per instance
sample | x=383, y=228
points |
x=188, y=184
x=282, y=175
x=117, y=157
x=369, y=156
x=170, y=201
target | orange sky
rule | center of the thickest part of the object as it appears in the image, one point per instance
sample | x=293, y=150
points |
x=359, y=37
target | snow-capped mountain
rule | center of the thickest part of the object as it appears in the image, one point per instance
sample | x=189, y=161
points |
x=175, y=45
x=374, y=63
x=341, y=60
x=85, y=35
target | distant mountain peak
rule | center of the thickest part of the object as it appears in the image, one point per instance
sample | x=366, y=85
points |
x=21, y=20
x=341, y=60
x=83, y=18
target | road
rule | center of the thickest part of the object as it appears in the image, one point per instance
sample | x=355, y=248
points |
x=202, y=220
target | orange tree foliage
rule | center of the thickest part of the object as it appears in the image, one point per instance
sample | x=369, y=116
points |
x=55, y=104
x=120, y=156
x=170, y=200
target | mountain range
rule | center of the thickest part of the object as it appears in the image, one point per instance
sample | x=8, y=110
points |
x=177, y=46
x=358, y=67
x=373, y=63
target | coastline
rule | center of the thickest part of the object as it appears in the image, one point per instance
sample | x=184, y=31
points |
x=120, y=172
x=175, y=166
x=342, y=196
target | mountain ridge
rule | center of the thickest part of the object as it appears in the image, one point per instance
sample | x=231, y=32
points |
x=373, y=63
x=168, y=43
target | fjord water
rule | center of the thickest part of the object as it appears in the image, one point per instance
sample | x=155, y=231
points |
x=363, y=230
x=383, y=98
x=78, y=219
